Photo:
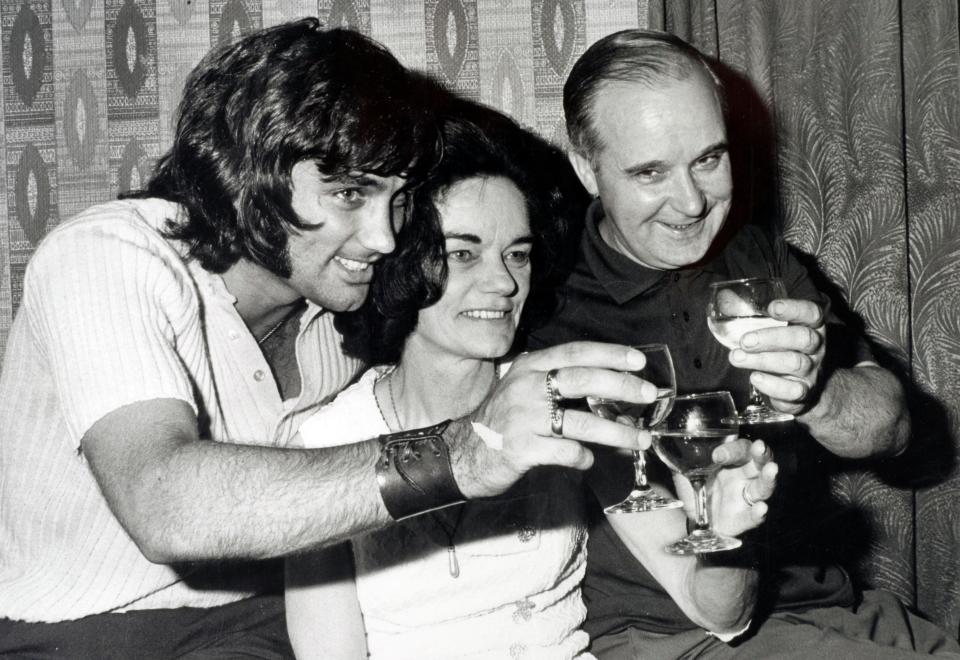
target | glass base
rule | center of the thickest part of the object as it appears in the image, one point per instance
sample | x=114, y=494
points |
x=640, y=501
x=763, y=415
x=701, y=541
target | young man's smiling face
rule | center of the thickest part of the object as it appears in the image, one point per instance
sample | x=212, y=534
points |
x=332, y=263
x=663, y=170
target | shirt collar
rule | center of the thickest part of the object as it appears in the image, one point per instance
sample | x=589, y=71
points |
x=621, y=277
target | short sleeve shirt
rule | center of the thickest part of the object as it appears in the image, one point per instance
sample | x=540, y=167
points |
x=114, y=313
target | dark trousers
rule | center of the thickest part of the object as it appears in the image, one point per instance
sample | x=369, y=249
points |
x=252, y=628
x=880, y=628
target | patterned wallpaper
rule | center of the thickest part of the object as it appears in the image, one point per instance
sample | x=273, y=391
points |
x=861, y=96
x=90, y=86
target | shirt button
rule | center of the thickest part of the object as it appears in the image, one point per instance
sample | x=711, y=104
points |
x=697, y=363
x=258, y=375
x=676, y=277
x=686, y=316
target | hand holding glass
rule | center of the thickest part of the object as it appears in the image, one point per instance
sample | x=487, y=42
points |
x=658, y=371
x=685, y=439
x=735, y=308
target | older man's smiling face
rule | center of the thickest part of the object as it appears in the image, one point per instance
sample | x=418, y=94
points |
x=663, y=172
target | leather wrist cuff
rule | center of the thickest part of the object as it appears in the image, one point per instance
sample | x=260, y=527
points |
x=414, y=472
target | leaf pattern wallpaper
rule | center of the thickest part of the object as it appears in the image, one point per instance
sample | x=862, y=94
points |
x=861, y=98
x=848, y=126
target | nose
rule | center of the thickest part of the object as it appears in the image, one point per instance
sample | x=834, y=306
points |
x=499, y=280
x=688, y=198
x=376, y=231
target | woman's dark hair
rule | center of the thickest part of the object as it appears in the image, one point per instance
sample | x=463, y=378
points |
x=477, y=141
x=253, y=109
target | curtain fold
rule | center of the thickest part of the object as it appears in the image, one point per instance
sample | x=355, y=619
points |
x=862, y=100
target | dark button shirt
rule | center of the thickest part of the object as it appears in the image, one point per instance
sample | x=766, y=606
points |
x=609, y=297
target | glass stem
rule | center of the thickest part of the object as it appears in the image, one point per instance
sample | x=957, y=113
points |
x=640, y=471
x=699, y=488
x=756, y=399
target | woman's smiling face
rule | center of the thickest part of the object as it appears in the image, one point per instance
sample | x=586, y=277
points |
x=487, y=236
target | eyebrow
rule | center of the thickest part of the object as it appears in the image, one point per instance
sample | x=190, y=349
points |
x=473, y=238
x=659, y=164
x=360, y=179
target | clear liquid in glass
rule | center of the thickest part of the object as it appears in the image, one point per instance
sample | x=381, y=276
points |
x=640, y=415
x=691, y=454
x=729, y=331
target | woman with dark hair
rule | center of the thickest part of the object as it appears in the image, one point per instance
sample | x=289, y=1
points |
x=494, y=578
x=443, y=312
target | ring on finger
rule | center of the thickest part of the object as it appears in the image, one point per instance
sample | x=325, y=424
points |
x=553, y=400
x=553, y=390
x=746, y=495
x=556, y=419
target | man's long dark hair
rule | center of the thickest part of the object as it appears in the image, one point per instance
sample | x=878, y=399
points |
x=252, y=110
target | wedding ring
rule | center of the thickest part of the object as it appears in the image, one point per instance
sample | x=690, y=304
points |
x=553, y=400
x=746, y=496
x=556, y=419
x=553, y=392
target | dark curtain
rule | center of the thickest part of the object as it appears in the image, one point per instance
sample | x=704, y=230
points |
x=851, y=122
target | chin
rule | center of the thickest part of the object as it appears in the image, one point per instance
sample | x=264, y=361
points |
x=487, y=351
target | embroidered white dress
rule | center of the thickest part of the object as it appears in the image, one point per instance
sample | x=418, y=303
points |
x=520, y=556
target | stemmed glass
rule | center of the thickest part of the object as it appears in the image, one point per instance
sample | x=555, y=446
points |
x=737, y=307
x=685, y=439
x=658, y=370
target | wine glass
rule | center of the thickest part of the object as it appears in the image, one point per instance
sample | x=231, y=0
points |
x=658, y=370
x=737, y=307
x=685, y=439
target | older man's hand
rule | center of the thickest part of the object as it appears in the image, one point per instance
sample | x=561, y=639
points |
x=786, y=360
x=739, y=490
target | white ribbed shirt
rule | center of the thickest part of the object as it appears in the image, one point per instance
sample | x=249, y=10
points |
x=112, y=314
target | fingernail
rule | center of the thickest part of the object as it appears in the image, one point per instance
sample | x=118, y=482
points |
x=649, y=391
x=636, y=359
x=750, y=340
x=644, y=440
x=737, y=355
x=778, y=307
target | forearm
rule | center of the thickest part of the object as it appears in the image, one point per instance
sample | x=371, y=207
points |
x=718, y=597
x=721, y=598
x=861, y=413
x=215, y=501
x=324, y=618
x=185, y=499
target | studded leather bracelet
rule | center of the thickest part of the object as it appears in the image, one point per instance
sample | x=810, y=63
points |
x=414, y=473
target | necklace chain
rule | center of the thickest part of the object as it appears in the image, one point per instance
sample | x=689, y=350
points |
x=393, y=403
x=272, y=331
x=279, y=324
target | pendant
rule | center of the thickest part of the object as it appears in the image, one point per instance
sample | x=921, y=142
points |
x=452, y=562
